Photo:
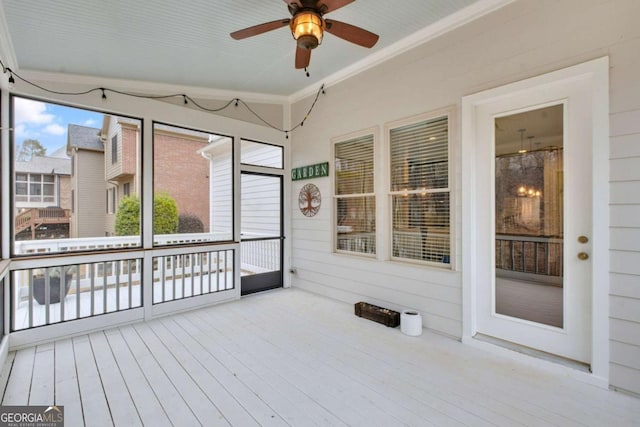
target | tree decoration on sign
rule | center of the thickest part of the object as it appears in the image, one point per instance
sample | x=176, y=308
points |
x=309, y=200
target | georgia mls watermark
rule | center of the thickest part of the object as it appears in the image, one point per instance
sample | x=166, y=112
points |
x=31, y=416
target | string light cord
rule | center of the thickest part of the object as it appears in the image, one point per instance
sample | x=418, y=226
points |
x=313, y=104
x=187, y=99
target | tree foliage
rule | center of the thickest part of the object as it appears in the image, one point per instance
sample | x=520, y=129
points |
x=190, y=223
x=128, y=216
x=29, y=149
x=165, y=215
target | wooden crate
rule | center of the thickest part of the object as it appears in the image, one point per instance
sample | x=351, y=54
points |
x=382, y=315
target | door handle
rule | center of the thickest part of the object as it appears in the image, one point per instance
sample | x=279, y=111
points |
x=583, y=239
x=583, y=256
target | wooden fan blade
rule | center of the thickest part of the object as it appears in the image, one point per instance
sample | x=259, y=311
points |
x=259, y=29
x=332, y=5
x=303, y=57
x=351, y=33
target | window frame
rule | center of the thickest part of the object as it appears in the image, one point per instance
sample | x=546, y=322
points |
x=75, y=200
x=234, y=142
x=374, y=133
x=30, y=196
x=449, y=114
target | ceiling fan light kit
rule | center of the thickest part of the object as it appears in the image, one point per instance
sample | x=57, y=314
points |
x=307, y=29
x=308, y=25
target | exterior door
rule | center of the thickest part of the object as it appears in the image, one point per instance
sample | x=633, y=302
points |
x=534, y=232
x=261, y=248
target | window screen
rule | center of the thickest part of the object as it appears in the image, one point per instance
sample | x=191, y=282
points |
x=354, y=196
x=419, y=155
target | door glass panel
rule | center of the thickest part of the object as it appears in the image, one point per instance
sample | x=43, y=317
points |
x=529, y=216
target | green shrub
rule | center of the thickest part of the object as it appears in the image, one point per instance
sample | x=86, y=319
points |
x=165, y=215
x=128, y=217
x=190, y=223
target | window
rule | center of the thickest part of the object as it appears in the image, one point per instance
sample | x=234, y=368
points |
x=192, y=186
x=126, y=189
x=354, y=196
x=61, y=180
x=114, y=149
x=114, y=199
x=419, y=172
x=35, y=188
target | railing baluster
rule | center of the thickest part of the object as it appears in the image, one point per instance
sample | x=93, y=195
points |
x=173, y=267
x=513, y=255
x=200, y=258
x=218, y=271
x=191, y=257
x=209, y=275
x=164, y=277
x=117, y=277
x=104, y=287
x=225, y=269
x=92, y=280
x=184, y=273
x=130, y=287
x=62, y=283
x=47, y=295
x=30, y=297
x=77, y=290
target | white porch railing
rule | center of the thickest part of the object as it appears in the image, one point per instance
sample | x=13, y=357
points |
x=28, y=247
x=260, y=256
x=113, y=282
x=43, y=296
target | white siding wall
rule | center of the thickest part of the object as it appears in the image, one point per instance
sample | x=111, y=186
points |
x=260, y=214
x=113, y=169
x=90, y=194
x=625, y=243
x=253, y=153
x=521, y=40
x=221, y=188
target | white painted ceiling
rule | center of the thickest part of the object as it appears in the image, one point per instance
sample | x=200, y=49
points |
x=187, y=42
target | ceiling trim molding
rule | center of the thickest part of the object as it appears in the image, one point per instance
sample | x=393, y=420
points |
x=443, y=26
x=151, y=88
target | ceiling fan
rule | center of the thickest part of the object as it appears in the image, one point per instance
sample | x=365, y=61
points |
x=307, y=25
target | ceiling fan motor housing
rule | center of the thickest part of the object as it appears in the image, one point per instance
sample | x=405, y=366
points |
x=307, y=42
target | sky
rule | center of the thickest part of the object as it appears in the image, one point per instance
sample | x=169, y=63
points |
x=48, y=122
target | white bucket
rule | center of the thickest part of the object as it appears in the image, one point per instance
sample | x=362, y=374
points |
x=411, y=323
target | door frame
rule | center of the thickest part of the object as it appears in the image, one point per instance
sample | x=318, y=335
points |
x=597, y=73
x=253, y=283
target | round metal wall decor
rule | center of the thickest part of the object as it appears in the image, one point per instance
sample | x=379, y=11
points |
x=309, y=200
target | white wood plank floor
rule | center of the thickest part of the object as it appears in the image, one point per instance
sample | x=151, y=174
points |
x=289, y=357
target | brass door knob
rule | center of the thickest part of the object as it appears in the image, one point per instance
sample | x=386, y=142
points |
x=583, y=239
x=583, y=256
